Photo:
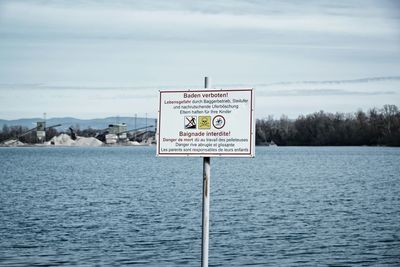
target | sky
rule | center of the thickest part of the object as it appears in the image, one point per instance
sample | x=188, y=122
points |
x=95, y=58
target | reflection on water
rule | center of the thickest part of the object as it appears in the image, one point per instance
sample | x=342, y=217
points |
x=119, y=206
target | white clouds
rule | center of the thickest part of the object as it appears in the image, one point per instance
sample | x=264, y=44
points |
x=304, y=97
x=126, y=50
x=76, y=103
x=114, y=21
x=290, y=98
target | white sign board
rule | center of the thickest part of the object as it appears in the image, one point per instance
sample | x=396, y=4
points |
x=206, y=123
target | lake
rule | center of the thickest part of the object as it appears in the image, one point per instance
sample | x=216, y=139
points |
x=288, y=206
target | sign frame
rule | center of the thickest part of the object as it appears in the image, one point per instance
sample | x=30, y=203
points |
x=251, y=140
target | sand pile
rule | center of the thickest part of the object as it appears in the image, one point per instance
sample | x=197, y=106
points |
x=66, y=140
x=61, y=140
x=133, y=143
x=88, y=141
x=13, y=142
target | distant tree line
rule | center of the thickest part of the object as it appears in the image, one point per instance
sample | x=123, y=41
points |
x=377, y=127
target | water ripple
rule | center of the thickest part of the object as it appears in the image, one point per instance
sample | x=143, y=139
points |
x=123, y=206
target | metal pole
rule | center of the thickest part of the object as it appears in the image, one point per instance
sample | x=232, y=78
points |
x=206, y=204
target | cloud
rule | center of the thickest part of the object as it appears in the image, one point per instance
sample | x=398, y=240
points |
x=38, y=86
x=75, y=56
x=123, y=20
x=353, y=87
x=350, y=81
x=322, y=92
x=369, y=86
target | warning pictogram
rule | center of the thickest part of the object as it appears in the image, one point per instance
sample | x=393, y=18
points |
x=204, y=122
x=190, y=122
x=218, y=122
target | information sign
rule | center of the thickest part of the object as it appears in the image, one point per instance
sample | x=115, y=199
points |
x=206, y=123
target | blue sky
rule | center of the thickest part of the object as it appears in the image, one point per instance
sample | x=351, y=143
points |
x=91, y=59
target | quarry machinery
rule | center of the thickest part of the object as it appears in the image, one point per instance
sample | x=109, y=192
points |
x=40, y=128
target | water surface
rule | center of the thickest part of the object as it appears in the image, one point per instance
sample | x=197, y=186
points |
x=289, y=206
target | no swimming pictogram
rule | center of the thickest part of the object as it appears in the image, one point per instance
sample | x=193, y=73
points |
x=218, y=122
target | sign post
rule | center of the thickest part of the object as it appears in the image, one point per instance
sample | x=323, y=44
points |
x=206, y=123
x=206, y=203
